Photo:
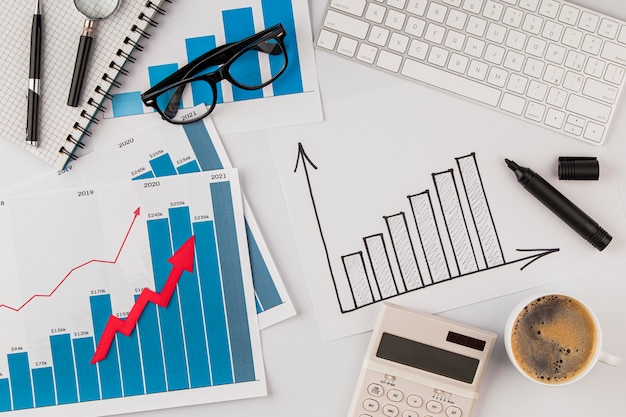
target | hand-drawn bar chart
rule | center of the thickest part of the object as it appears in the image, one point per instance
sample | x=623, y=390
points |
x=203, y=338
x=442, y=233
x=237, y=23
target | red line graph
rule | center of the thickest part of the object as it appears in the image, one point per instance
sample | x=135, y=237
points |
x=182, y=260
x=65, y=278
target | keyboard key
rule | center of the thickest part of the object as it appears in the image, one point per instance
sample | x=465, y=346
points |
x=435, y=33
x=549, y=8
x=417, y=7
x=554, y=118
x=600, y=91
x=375, y=13
x=530, y=5
x=379, y=36
x=389, y=61
x=367, y=53
x=614, y=74
x=569, y=14
x=588, y=22
x=608, y=28
x=327, y=39
x=456, y=19
x=476, y=26
x=438, y=56
x=355, y=7
x=395, y=19
x=594, y=132
x=588, y=108
x=535, y=111
x=614, y=52
x=436, y=12
x=451, y=82
x=473, y=5
x=346, y=24
x=478, y=70
x=347, y=46
x=415, y=26
x=513, y=104
x=497, y=76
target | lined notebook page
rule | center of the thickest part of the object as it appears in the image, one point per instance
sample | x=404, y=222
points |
x=62, y=126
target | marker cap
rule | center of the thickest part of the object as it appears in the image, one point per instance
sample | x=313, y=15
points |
x=578, y=168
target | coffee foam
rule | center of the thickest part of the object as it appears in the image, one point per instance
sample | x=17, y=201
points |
x=554, y=339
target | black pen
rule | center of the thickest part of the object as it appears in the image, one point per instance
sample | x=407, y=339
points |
x=561, y=206
x=34, y=78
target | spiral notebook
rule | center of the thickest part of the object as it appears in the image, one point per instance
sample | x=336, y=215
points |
x=116, y=39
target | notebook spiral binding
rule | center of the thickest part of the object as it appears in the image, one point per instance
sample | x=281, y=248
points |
x=82, y=127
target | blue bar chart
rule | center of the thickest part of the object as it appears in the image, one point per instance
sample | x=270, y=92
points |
x=205, y=338
x=205, y=157
x=237, y=24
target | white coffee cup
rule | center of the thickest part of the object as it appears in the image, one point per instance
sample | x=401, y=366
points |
x=554, y=339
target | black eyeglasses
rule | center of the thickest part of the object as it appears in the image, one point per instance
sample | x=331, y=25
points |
x=241, y=63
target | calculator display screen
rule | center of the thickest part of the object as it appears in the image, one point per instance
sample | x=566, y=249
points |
x=427, y=358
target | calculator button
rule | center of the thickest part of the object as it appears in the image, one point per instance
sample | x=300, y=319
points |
x=395, y=395
x=375, y=390
x=453, y=412
x=414, y=401
x=390, y=410
x=370, y=404
x=409, y=413
x=434, y=406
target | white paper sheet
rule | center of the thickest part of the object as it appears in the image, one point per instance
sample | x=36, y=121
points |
x=346, y=184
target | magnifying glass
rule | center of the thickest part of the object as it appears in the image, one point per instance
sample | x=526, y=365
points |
x=92, y=10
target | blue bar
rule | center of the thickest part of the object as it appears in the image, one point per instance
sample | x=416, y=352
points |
x=159, y=72
x=151, y=349
x=5, y=395
x=130, y=361
x=232, y=280
x=213, y=303
x=202, y=146
x=189, y=168
x=44, y=387
x=109, y=367
x=162, y=166
x=88, y=387
x=171, y=328
x=266, y=292
x=201, y=92
x=191, y=306
x=64, y=373
x=281, y=11
x=21, y=385
x=146, y=175
x=238, y=25
x=127, y=104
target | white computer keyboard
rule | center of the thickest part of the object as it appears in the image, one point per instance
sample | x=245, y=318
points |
x=550, y=62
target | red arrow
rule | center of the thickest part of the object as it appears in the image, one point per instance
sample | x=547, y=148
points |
x=182, y=260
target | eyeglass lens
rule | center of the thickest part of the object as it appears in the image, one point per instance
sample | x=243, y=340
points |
x=252, y=69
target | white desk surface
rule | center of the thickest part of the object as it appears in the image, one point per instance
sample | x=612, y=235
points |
x=309, y=378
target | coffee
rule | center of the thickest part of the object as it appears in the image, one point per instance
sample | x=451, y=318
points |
x=554, y=339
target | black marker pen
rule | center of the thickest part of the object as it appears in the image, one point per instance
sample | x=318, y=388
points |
x=561, y=206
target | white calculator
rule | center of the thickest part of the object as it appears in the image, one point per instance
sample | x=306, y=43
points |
x=420, y=365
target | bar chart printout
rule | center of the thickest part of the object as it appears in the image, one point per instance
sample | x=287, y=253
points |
x=202, y=346
x=211, y=24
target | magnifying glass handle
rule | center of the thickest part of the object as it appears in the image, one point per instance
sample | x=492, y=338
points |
x=80, y=66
